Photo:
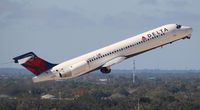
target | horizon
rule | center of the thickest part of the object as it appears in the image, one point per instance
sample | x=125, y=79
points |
x=121, y=69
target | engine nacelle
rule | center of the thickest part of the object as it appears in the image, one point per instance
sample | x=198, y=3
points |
x=65, y=73
x=74, y=70
x=105, y=70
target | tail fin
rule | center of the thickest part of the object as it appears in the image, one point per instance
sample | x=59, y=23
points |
x=33, y=63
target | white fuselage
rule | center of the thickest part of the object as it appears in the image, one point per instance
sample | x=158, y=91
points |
x=127, y=48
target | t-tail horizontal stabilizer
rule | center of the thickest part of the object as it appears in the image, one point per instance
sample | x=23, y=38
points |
x=33, y=63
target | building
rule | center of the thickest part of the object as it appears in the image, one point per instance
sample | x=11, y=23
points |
x=48, y=96
x=79, y=92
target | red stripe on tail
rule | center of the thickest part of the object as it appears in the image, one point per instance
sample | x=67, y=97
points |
x=33, y=63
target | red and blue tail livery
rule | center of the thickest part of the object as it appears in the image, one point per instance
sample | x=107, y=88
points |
x=33, y=63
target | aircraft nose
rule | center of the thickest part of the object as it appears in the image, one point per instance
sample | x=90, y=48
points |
x=187, y=29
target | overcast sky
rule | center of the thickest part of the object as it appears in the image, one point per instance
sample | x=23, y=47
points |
x=58, y=30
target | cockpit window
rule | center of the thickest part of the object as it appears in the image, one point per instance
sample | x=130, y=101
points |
x=178, y=26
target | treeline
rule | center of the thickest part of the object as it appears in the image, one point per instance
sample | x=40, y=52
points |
x=150, y=92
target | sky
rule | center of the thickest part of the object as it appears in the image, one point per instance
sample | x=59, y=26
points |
x=58, y=30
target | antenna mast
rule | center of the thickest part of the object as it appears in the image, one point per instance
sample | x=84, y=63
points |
x=133, y=71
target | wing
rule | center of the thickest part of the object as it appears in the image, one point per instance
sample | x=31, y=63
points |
x=114, y=61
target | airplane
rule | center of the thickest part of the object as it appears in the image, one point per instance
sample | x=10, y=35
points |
x=102, y=59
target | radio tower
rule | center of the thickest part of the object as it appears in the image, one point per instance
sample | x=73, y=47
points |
x=134, y=71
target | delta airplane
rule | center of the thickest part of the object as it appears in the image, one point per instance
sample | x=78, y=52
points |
x=102, y=59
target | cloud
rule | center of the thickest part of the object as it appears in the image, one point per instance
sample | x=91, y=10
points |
x=7, y=8
x=51, y=17
x=168, y=3
x=177, y=3
x=60, y=17
x=181, y=16
x=148, y=2
x=130, y=20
